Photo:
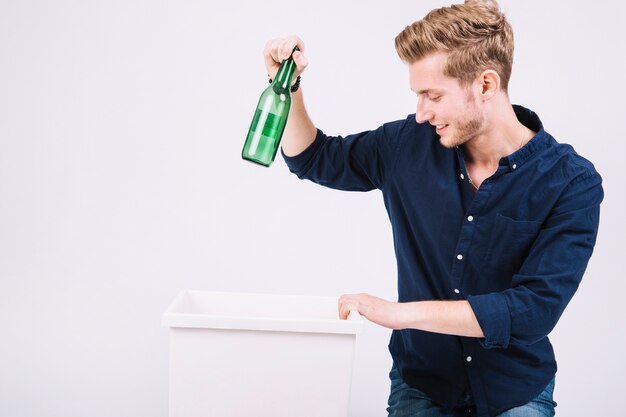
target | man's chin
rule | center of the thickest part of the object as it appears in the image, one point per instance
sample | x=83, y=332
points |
x=448, y=142
x=454, y=141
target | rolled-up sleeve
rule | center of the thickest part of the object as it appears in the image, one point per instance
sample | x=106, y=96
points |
x=550, y=274
x=494, y=318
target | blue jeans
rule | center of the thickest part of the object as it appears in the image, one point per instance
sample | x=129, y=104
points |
x=405, y=401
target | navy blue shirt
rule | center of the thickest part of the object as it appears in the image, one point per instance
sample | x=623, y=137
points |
x=516, y=249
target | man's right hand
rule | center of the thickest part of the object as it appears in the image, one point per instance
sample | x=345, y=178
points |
x=277, y=50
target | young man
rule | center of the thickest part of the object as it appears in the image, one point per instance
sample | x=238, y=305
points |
x=493, y=220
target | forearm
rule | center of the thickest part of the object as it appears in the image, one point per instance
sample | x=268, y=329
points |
x=447, y=317
x=300, y=131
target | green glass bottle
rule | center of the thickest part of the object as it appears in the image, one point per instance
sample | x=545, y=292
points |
x=270, y=117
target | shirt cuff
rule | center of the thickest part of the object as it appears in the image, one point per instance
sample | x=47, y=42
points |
x=494, y=318
x=298, y=163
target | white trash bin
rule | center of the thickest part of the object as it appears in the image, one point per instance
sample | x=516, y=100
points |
x=256, y=355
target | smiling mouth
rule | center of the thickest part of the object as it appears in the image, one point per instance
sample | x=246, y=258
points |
x=441, y=127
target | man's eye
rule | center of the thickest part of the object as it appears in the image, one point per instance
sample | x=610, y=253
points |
x=435, y=99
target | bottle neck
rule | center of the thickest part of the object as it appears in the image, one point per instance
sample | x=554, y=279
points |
x=282, y=82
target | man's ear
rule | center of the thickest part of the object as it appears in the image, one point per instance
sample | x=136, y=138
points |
x=490, y=84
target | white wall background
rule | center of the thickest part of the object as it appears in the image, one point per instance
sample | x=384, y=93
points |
x=121, y=127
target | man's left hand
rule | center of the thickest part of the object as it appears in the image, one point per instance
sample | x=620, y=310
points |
x=385, y=313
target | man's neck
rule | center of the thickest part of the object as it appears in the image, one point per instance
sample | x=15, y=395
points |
x=503, y=136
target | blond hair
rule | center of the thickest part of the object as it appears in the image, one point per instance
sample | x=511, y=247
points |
x=476, y=36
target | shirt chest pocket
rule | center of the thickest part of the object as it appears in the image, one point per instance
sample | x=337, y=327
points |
x=509, y=243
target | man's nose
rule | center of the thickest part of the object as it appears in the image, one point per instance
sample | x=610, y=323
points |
x=422, y=114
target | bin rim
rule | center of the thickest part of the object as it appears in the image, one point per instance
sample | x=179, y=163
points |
x=176, y=319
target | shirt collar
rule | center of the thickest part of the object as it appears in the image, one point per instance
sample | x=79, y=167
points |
x=537, y=143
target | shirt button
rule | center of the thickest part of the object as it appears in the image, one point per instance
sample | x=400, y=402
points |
x=459, y=257
x=514, y=166
x=456, y=290
x=469, y=359
x=470, y=218
x=462, y=176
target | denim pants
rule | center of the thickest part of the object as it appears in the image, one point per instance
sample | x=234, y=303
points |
x=405, y=401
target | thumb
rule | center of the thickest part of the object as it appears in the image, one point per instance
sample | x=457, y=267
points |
x=301, y=61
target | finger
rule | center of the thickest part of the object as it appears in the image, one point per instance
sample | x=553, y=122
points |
x=353, y=315
x=345, y=311
x=270, y=54
x=346, y=304
x=340, y=304
x=285, y=48
x=301, y=62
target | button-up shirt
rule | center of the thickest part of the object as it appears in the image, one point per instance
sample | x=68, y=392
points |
x=516, y=249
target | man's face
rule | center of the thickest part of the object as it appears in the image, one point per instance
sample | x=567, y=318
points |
x=444, y=103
